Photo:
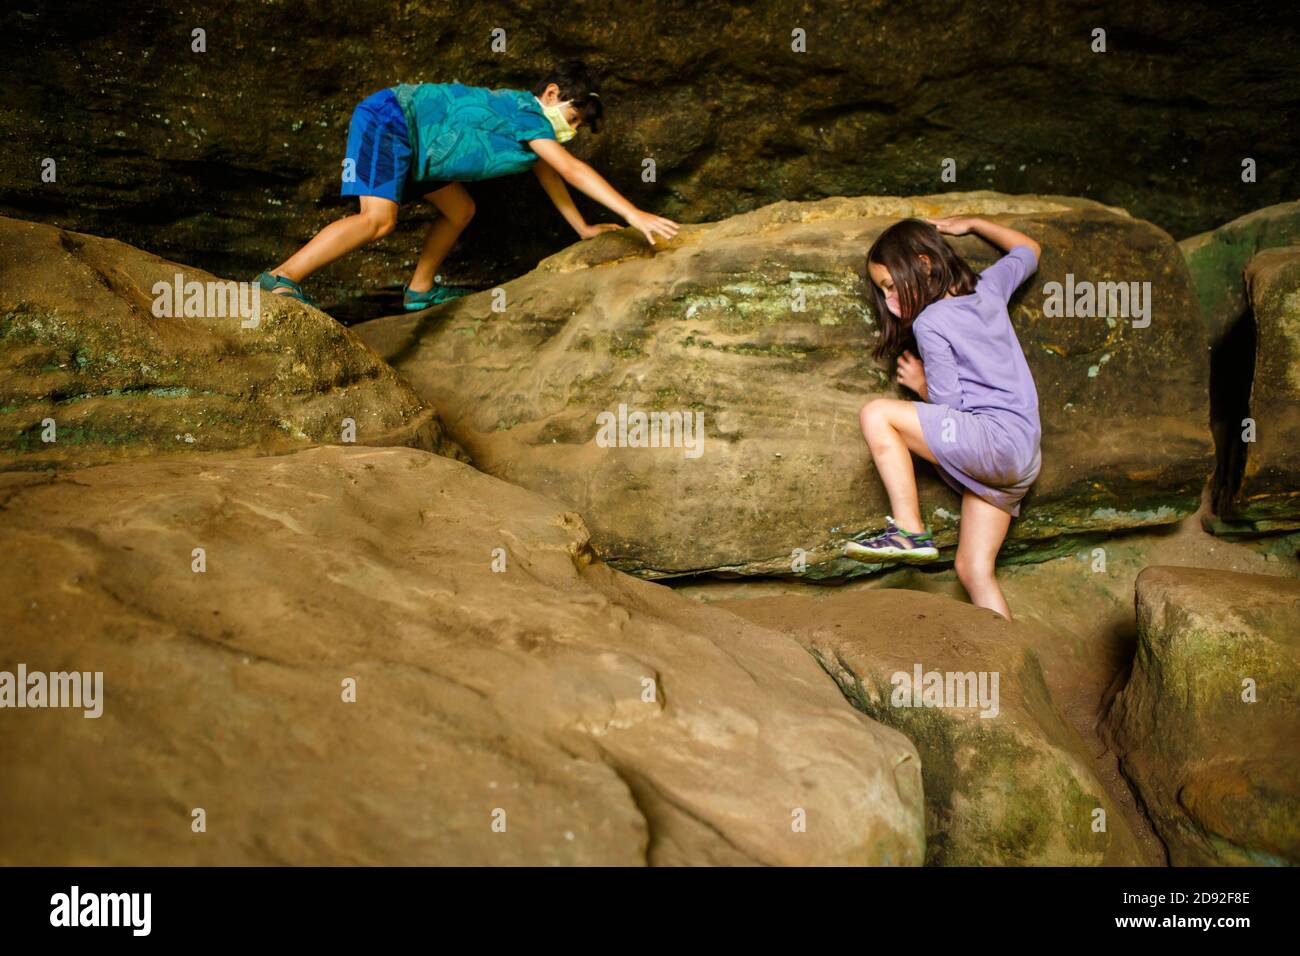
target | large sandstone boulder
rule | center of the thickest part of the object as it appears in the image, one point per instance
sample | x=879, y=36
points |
x=1008, y=782
x=758, y=326
x=1217, y=261
x=1258, y=486
x=502, y=676
x=1207, y=726
x=83, y=346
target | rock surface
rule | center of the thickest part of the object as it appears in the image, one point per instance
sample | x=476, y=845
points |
x=232, y=155
x=1260, y=485
x=525, y=691
x=1217, y=260
x=1014, y=788
x=81, y=344
x=1218, y=772
x=708, y=325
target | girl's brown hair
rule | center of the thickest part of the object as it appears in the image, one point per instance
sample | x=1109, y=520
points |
x=899, y=249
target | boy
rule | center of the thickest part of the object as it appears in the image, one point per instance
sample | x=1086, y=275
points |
x=428, y=139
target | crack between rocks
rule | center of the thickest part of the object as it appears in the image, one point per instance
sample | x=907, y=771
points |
x=638, y=785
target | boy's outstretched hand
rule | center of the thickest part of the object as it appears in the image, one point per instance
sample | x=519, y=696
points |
x=595, y=230
x=559, y=164
x=652, y=225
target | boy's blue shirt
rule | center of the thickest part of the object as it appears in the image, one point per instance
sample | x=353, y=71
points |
x=464, y=133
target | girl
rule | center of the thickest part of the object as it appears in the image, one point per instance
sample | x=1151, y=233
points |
x=428, y=138
x=977, y=420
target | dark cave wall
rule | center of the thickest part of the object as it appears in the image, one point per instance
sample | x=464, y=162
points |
x=229, y=159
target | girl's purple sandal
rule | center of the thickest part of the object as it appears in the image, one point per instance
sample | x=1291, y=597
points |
x=893, y=544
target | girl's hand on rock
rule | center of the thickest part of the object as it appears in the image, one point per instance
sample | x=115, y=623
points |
x=954, y=225
x=592, y=231
x=911, y=372
x=652, y=225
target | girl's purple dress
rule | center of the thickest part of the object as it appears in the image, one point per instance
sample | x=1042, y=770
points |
x=981, y=420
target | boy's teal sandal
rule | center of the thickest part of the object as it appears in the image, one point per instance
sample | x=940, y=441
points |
x=294, y=291
x=415, y=301
x=893, y=544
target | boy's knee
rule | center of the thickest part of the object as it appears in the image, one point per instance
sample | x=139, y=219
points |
x=381, y=223
x=462, y=213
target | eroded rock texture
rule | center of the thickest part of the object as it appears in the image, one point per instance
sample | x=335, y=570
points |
x=1008, y=782
x=1207, y=726
x=1258, y=485
x=89, y=373
x=603, y=720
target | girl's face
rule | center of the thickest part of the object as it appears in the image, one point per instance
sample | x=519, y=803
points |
x=885, y=283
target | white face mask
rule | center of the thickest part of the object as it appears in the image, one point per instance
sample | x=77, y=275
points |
x=563, y=131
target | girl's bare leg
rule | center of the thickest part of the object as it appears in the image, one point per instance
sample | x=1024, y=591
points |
x=892, y=429
x=457, y=208
x=983, y=529
x=377, y=218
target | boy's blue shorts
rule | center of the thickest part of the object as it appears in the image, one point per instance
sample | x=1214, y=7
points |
x=379, y=147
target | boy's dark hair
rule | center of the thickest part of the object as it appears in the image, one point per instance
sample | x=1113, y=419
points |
x=579, y=86
x=899, y=249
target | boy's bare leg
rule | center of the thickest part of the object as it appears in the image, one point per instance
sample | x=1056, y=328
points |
x=983, y=529
x=457, y=208
x=377, y=218
x=892, y=428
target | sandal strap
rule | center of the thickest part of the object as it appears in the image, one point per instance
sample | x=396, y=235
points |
x=283, y=282
x=894, y=537
x=279, y=282
x=893, y=528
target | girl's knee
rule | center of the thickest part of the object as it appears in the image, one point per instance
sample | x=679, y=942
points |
x=872, y=413
x=972, y=570
x=877, y=427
